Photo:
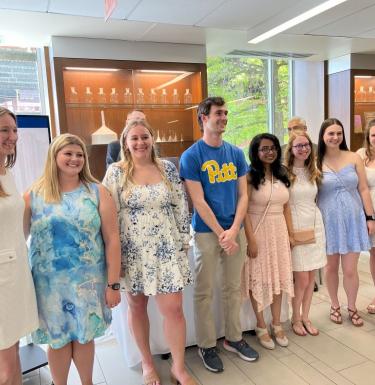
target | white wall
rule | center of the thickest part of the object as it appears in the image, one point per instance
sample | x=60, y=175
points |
x=76, y=47
x=308, y=94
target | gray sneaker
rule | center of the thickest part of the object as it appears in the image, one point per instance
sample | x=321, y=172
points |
x=242, y=348
x=211, y=359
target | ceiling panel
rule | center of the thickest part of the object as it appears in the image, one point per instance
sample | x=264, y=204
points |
x=175, y=34
x=349, y=25
x=34, y=5
x=93, y=8
x=39, y=27
x=185, y=12
x=244, y=14
x=332, y=16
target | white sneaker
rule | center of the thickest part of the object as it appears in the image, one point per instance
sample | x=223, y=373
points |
x=266, y=343
x=280, y=336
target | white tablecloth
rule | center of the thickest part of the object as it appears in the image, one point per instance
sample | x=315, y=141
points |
x=158, y=344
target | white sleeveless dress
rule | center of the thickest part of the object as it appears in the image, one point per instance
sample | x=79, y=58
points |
x=18, y=314
x=305, y=213
x=370, y=174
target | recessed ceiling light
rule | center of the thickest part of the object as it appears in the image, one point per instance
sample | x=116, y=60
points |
x=91, y=69
x=297, y=20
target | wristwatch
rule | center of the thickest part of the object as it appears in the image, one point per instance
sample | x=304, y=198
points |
x=114, y=286
x=370, y=217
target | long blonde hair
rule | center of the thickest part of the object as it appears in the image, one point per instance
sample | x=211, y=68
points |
x=127, y=162
x=48, y=184
x=10, y=159
x=310, y=162
x=367, y=144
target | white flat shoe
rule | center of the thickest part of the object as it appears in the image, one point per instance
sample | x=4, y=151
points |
x=280, y=337
x=266, y=344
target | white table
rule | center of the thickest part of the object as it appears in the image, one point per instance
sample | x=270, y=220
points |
x=158, y=344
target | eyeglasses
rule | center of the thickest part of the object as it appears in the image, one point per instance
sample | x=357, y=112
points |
x=301, y=146
x=268, y=149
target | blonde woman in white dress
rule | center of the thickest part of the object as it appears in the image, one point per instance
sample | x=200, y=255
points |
x=367, y=153
x=18, y=314
x=306, y=258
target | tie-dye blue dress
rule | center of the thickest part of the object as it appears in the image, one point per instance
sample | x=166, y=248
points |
x=69, y=268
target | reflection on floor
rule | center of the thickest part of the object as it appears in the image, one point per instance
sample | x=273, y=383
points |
x=341, y=354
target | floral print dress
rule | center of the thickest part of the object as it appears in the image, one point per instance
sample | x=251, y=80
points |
x=154, y=228
x=69, y=268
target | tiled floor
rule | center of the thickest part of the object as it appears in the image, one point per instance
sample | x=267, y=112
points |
x=341, y=354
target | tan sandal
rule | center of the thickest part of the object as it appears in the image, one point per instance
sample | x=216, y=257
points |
x=355, y=318
x=310, y=328
x=151, y=378
x=280, y=337
x=371, y=308
x=335, y=315
x=298, y=328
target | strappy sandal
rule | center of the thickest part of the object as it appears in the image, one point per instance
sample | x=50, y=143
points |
x=310, y=328
x=371, y=308
x=355, y=318
x=298, y=328
x=335, y=315
x=151, y=378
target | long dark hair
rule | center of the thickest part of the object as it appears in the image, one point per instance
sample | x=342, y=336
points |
x=322, y=146
x=257, y=172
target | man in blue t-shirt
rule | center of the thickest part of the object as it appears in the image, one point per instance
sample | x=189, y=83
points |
x=214, y=172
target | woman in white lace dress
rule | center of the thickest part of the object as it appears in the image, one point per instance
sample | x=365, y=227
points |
x=367, y=153
x=306, y=258
x=154, y=233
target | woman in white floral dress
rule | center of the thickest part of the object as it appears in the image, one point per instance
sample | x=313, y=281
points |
x=154, y=233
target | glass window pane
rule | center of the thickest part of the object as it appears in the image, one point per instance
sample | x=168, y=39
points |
x=19, y=84
x=243, y=84
x=280, y=83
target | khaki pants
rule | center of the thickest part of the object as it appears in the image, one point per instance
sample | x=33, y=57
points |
x=207, y=254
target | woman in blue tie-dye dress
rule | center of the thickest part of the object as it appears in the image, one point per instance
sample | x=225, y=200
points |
x=74, y=254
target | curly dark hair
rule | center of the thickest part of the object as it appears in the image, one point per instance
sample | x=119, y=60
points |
x=257, y=172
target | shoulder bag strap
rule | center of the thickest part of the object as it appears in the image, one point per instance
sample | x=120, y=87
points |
x=266, y=209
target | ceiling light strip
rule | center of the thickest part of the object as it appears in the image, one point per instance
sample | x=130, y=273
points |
x=297, y=20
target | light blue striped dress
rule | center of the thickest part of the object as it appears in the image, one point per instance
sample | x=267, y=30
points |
x=68, y=267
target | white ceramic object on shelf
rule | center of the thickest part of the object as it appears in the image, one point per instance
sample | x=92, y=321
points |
x=104, y=134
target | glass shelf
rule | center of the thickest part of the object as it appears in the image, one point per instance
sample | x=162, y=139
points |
x=131, y=106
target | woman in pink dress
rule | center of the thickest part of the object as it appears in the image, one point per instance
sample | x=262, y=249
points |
x=268, y=270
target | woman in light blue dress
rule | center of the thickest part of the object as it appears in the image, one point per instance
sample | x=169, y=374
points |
x=74, y=256
x=345, y=203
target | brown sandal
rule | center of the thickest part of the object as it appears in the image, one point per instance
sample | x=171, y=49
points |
x=335, y=315
x=355, y=318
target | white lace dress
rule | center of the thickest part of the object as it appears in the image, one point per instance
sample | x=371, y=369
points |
x=304, y=214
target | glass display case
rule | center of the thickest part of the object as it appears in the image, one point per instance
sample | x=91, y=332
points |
x=364, y=102
x=168, y=93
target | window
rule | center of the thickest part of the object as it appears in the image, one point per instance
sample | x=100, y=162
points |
x=257, y=92
x=19, y=80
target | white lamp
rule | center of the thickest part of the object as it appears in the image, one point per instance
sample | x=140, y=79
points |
x=103, y=135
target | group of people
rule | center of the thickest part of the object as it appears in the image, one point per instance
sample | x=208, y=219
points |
x=270, y=225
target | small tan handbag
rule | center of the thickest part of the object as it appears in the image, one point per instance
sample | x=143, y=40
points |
x=304, y=237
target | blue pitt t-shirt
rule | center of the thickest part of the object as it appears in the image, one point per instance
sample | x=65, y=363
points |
x=217, y=168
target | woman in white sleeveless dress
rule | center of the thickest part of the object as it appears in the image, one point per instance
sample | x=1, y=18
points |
x=18, y=314
x=367, y=153
x=306, y=258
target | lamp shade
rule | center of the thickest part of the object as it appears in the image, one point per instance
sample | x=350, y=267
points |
x=103, y=135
